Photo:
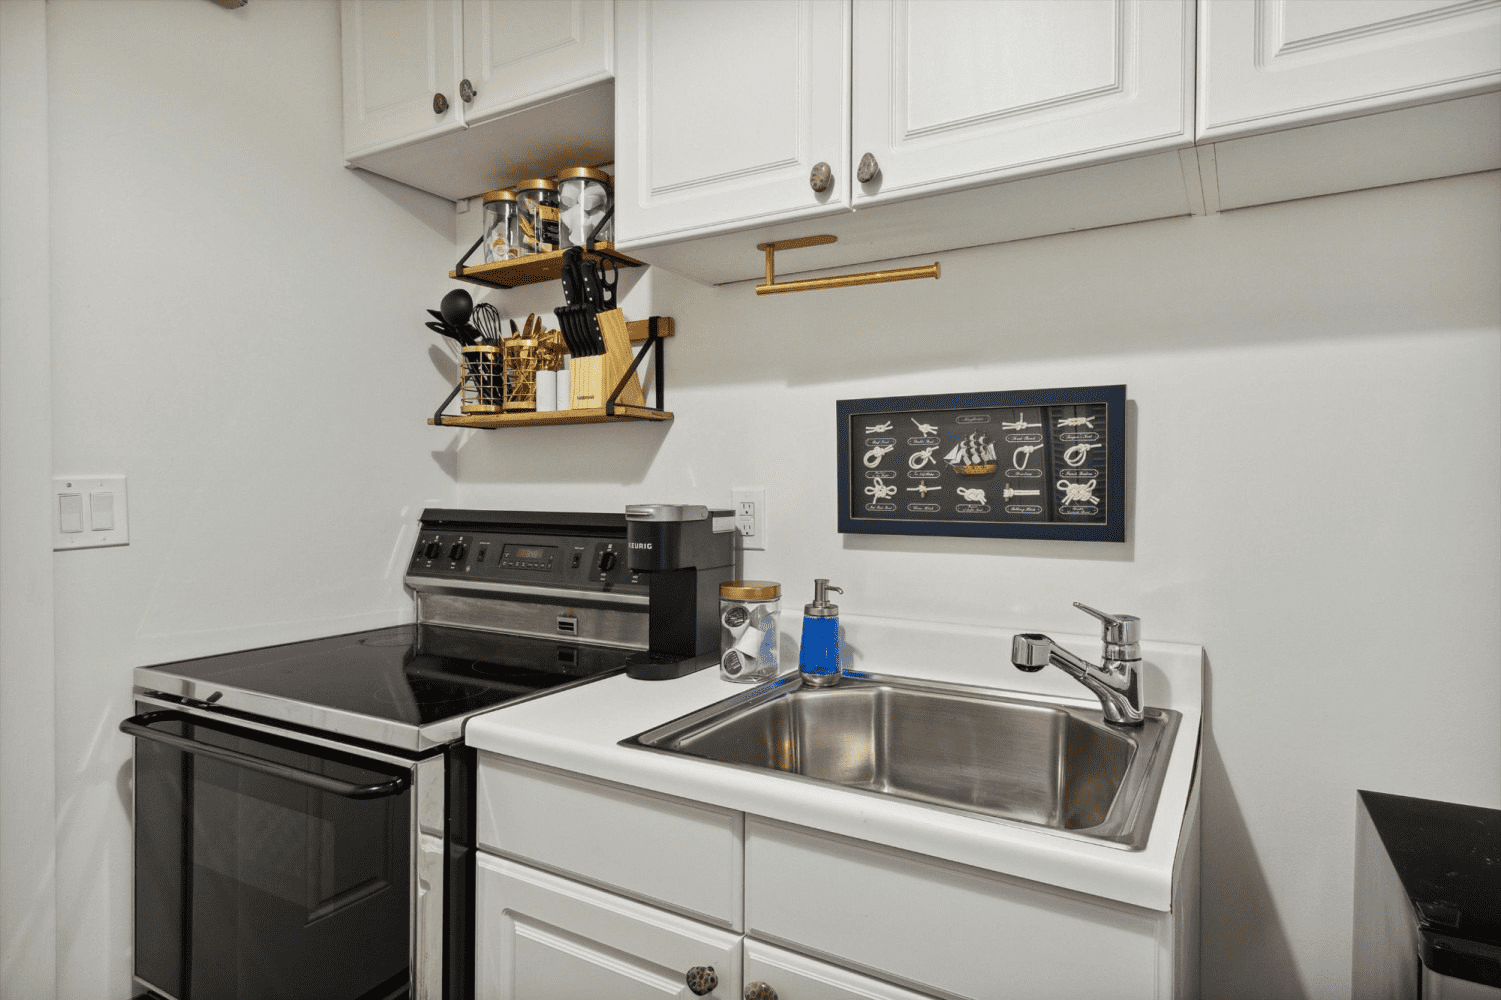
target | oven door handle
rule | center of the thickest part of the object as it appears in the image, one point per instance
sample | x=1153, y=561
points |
x=140, y=726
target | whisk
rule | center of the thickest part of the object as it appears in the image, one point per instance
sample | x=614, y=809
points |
x=487, y=319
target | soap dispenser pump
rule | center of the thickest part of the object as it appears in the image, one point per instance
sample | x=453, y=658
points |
x=818, y=654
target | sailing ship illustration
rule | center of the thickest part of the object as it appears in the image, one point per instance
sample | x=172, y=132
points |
x=973, y=455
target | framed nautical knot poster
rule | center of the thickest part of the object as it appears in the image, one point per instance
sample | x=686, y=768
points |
x=1030, y=463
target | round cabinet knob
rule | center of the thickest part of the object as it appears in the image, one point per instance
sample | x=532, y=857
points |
x=821, y=177
x=606, y=563
x=702, y=979
x=440, y=104
x=759, y=991
x=467, y=91
x=868, y=169
x=457, y=552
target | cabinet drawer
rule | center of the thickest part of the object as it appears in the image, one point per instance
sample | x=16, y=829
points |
x=795, y=977
x=666, y=851
x=540, y=937
x=981, y=935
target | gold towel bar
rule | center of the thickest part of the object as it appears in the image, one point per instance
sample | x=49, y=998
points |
x=837, y=281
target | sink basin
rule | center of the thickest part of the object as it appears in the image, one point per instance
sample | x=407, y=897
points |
x=1041, y=763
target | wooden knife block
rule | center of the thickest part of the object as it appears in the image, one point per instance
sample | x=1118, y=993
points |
x=591, y=380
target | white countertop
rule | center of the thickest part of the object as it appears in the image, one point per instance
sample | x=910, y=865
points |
x=579, y=730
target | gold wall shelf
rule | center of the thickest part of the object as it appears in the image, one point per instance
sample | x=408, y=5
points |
x=639, y=332
x=534, y=267
x=549, y=418
x=772, y=286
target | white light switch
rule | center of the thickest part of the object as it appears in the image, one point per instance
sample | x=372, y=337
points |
x=90, y=511
x=102, y=511
x=70, y=509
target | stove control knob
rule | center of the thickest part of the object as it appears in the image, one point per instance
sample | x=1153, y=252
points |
x=457, y=552
x=432, y=549
x=606, y=560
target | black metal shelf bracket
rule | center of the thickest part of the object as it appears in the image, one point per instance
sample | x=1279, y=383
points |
x=459, y=272
x=653, y=343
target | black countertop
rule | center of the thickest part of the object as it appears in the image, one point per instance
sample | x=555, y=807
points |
x=1448, y=858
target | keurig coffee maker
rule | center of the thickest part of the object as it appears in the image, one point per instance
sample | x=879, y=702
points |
x=684, y=553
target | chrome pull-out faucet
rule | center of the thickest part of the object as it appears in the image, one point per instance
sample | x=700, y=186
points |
x=1116, y=681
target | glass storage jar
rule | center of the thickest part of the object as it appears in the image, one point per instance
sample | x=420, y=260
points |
x=500, y=226
x=748, y=612
x=537, y=215
x=584, y=202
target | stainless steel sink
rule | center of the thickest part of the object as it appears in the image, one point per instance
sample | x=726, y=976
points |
x=1041, y=763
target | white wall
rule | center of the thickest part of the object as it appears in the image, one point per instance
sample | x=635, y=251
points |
x=237, y=326
x=1315, y=471
x=28, y=913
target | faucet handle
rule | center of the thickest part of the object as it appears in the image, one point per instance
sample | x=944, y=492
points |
x=1120, y=630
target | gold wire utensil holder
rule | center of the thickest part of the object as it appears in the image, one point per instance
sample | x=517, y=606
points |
x=482, y=380
x=772, y=286
x=521, y=374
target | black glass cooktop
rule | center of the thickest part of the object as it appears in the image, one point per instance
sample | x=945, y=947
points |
x=408, y=675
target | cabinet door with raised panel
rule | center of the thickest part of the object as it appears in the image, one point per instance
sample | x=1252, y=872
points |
x=399, y=58
x=541, y=937
x=1272, y=64
x=519, y=52
x=722, y=110
x=950, y=93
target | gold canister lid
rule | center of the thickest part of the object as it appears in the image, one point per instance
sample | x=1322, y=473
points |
x=537, y=184
x=502, y=194
x=592, y=173
x=751, y=590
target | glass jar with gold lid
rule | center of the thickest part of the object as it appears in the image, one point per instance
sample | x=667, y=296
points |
x=748, y=614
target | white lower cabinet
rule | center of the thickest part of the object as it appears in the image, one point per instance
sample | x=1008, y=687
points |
x=566, y=913
x=541, y=937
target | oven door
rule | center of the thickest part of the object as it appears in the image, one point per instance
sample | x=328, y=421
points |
x=272, y=866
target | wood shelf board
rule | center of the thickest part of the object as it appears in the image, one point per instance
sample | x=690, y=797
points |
x=593, y=415
x=533, y=268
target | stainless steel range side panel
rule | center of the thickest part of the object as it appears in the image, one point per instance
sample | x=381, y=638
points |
x=428, y=855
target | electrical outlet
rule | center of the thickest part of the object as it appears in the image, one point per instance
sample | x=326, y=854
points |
x=750, y=516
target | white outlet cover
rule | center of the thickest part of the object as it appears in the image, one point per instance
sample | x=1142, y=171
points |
x=97, y=500
x=757, y=496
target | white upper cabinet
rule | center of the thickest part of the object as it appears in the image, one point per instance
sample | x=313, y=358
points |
x=460, y=96
x=1271, y=64
x=399, y=59
x=724, y=108
x=518, y=52
x=950, y=93
x=738, y=120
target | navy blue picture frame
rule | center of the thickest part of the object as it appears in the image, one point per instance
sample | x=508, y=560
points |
x=1059, y=502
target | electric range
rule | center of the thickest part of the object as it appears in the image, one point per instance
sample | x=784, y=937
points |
x=304, y=812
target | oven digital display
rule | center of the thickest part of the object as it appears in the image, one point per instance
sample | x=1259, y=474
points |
x=527, y=556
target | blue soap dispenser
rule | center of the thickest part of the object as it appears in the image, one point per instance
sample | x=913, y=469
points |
x=818, y=656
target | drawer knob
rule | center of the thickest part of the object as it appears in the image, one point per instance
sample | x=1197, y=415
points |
x=759, y=991
x=440, y=104
x=868, y=169
x=821, y=177
x=702, y=979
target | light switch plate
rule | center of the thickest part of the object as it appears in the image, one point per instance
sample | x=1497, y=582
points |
x=79, y=503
